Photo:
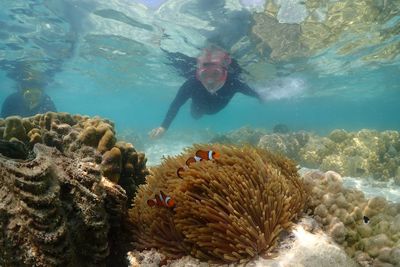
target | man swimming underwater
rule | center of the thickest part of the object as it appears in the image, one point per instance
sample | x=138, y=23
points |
x=29, y=98
x=210, y=90
x=27, y=102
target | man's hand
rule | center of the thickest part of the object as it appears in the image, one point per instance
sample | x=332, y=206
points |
x=157, y=132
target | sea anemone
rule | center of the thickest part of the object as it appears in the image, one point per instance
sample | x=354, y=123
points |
x=227, y=210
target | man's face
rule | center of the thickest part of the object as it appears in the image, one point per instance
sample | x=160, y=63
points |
x=212, y=76
x=212, y=68
x=32, y=97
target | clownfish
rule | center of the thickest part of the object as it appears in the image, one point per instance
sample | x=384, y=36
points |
x=199, y=156
x=207, y=155
x=161, y=200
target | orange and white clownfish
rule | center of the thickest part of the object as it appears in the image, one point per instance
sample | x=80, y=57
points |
x=207, y=154
x=199, y=156
x=161, y=200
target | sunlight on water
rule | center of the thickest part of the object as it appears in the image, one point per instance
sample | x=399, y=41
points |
x=283, y=88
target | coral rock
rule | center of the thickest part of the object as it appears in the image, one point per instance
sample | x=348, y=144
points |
x=107, y=141
x=55, y=207
x=338, y=135
x=14, y=128
x=367, y=241
x=366, y=153
x=111, y=164
x=395, y=255
x=375, y=206
x=338, y=232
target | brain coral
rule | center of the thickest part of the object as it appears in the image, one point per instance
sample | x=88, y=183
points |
x=227, y=210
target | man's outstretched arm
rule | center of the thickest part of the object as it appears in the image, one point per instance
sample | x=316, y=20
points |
x=184, y=93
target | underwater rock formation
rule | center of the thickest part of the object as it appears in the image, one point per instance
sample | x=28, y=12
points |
x=244, y=135
x=65, y=204
x=368, y=229
x=285, y=144
x=366, y=153
x=281, y=128
x=227, y=210
x=14, y=149
x=91, y=139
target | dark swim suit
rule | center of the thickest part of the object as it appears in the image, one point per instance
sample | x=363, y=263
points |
x=15, y=105
x=204, y=102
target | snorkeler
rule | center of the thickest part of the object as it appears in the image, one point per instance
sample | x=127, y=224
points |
x=211, y=88
x=30, y=99
x=27, y=102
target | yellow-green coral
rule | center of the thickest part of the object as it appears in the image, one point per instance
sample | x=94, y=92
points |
x=373, y=240
x=111, y=164
x=14, y=128
x=227, y=210
x=366, y=153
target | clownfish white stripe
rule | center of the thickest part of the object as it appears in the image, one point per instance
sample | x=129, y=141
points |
x=197, y=158
x=167, y=199
x=210, y=154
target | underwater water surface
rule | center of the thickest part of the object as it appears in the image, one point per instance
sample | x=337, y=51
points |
x=326, y=70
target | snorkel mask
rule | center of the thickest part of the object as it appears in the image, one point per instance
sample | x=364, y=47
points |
x=212, y=69
x=32, y=97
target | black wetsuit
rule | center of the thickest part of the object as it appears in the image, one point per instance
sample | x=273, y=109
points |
x=15, y=105
x=204, y=102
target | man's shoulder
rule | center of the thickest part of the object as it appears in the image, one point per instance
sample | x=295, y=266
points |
x=11, y=105
x=192, y=80
x=13, y=97
x=191, y=83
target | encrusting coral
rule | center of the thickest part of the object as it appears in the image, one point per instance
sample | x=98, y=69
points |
x=368, y=229
x=227, y=210
x=64, y=196
x=366, y=153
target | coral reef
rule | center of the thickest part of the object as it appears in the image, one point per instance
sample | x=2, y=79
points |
x=244, y=135
x=281, y=128
x=92, y=139
x=366, y=153
x=65, y=203
x=285, y=144
x=368, y=229
x=227, y=210
x=14, y=149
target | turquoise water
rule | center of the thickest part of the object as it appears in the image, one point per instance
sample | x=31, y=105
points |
x=320, y=64
x=106, y=58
